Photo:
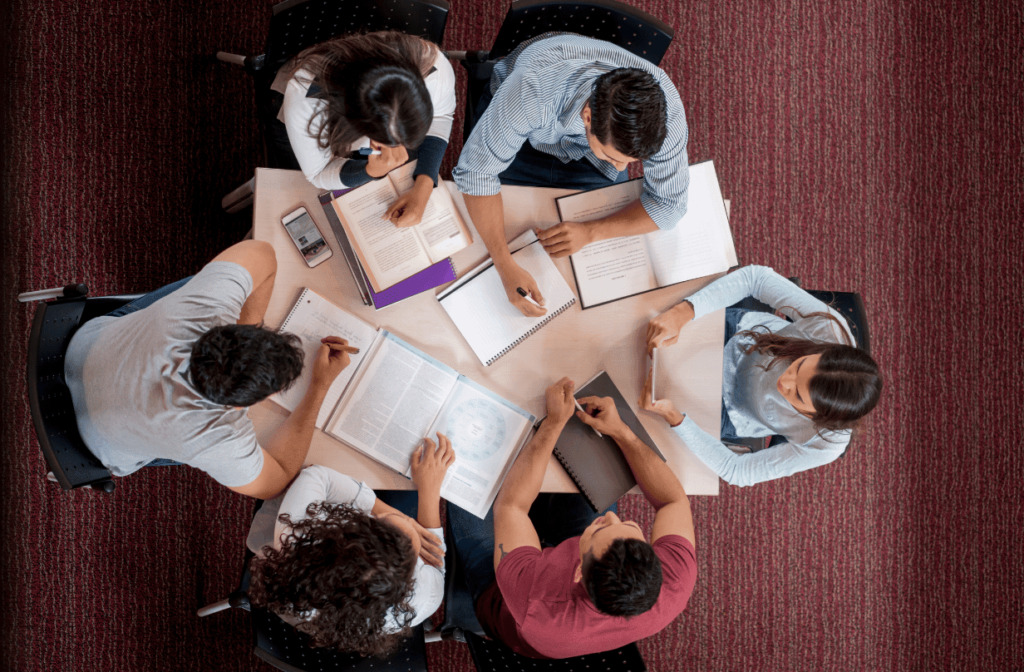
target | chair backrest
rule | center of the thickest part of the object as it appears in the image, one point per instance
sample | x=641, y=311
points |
x=298, y=24
x=630, y=28
x=491, y=655
x=284, y=647
x=53, y=412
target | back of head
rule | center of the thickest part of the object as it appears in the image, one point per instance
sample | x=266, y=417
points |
x=348, y=566
x=628, y=111
x=373, y=86
x=625, y=580
x=243, y=364
x=845, y=388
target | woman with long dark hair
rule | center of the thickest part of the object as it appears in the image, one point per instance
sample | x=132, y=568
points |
x=356, y=106
x=804, y=379
x=350, y=571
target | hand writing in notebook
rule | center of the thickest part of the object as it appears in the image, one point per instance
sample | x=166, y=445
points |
x=602, y=415
x=514, y=278
x=331, y=359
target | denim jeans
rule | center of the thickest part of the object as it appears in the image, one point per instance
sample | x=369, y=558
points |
x=534, y=168
x=555, y=516
x=137, y=305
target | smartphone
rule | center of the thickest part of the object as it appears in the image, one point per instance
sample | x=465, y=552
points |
x=307, y=238
x=654, y=375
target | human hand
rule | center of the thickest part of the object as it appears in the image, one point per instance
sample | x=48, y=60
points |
x=513, y=277
x=560, y=401
x=430, y=463
x=564, y=239
x=408, y=209
x=430, y=545
x=663, y=407
x=663, y=330
x=331, y=359
x=602, y=415
x=379, y=165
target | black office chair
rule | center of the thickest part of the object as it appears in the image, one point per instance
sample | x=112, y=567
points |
x=298, y=24
x=850, y=305
x=281, y=645
x=632, y=29
x=461, y=624
x=53, y=414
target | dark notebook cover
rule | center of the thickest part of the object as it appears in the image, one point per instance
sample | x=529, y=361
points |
x=596, y=464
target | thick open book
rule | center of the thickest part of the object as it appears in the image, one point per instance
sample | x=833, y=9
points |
x=390, y=254
x=479, y=307
x=393, y=395
x=700, y=244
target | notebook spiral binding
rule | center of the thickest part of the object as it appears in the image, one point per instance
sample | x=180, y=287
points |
x=298, y=302
x=572, y=474
x=531, y=332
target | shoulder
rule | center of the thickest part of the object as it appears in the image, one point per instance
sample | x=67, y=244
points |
x=677, y=555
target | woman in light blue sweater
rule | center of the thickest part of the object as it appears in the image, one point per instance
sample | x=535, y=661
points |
x=802, y=379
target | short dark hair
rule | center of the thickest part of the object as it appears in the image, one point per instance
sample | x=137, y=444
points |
x=243, y=364
x=628, y=111
x=625, y=580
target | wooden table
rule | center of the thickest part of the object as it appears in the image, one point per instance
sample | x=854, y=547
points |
x=578, y=343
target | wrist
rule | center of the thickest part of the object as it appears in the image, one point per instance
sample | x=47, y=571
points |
x=676, y=419
x=684, y=309
x=620, y=432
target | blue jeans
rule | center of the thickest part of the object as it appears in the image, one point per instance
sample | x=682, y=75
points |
x=534, y=168
x=137, y=305
x=555, y=516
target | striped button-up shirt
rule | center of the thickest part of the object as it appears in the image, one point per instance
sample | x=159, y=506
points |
x=539, y=91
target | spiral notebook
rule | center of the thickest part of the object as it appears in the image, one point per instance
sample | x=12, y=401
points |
x=480, y=309
x=596, y=464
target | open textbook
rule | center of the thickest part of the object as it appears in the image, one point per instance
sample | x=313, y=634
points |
x=390, y=254
x=700, y=244
x=393, y=395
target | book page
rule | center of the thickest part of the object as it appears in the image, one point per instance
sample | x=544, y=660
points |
x=481, y=311
x=608, y=269
x=312, y=318
x=388, y=254
x=486, y=432
x=393, y=404
x=701, y=242
x=442, y=231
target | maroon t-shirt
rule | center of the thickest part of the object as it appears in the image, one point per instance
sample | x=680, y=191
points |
x=539, y=611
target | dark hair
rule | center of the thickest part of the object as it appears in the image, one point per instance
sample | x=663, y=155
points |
x=625, y=580
x=627, y=110
x=348, y=566
x=373, y=86
x=846, y=386
x=243, y=364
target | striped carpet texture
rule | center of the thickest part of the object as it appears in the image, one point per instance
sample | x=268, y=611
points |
x=872, y=146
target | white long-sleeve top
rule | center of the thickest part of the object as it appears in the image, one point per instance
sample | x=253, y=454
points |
x=317, y=483
x=754, y=404
x=320, y=167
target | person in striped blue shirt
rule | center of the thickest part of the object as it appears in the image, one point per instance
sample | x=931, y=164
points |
x=570, y=111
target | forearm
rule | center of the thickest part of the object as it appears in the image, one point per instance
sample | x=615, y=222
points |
x=632, y=220
x=657, y=481
x=428, y=511
x=488, y=215
x=290, y=443
x=255, y=307
x=522, y=485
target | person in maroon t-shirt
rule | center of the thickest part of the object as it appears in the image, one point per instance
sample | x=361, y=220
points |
x=594, y=592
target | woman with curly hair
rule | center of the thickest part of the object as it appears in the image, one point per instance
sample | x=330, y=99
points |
x=803, y=379
x=357, y=106
x=339, y=564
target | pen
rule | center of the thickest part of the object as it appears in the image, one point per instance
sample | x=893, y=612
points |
x=369, y=151
x=580, y=409
x=522, y=293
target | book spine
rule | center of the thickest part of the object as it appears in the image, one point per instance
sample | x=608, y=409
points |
x=575, y=479
x=531, y=332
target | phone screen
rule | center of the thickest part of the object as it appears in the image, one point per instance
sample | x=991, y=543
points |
x=306, y=236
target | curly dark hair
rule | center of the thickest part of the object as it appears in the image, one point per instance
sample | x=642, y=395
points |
x=626, y=580
x=348, y=566
x=628, y=110
x=243, y=364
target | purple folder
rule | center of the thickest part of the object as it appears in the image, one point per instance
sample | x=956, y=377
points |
x=440, y=273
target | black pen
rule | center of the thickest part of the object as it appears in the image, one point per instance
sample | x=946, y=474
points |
x=522, y=293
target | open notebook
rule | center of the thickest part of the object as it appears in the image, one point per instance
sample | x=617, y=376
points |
x=700, y=244
x=479, y=307
x=393, y=395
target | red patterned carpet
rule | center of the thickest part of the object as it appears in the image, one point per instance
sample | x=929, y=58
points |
x=871, y=146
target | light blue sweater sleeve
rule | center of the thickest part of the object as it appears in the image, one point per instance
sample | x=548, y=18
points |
x=744, y=469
